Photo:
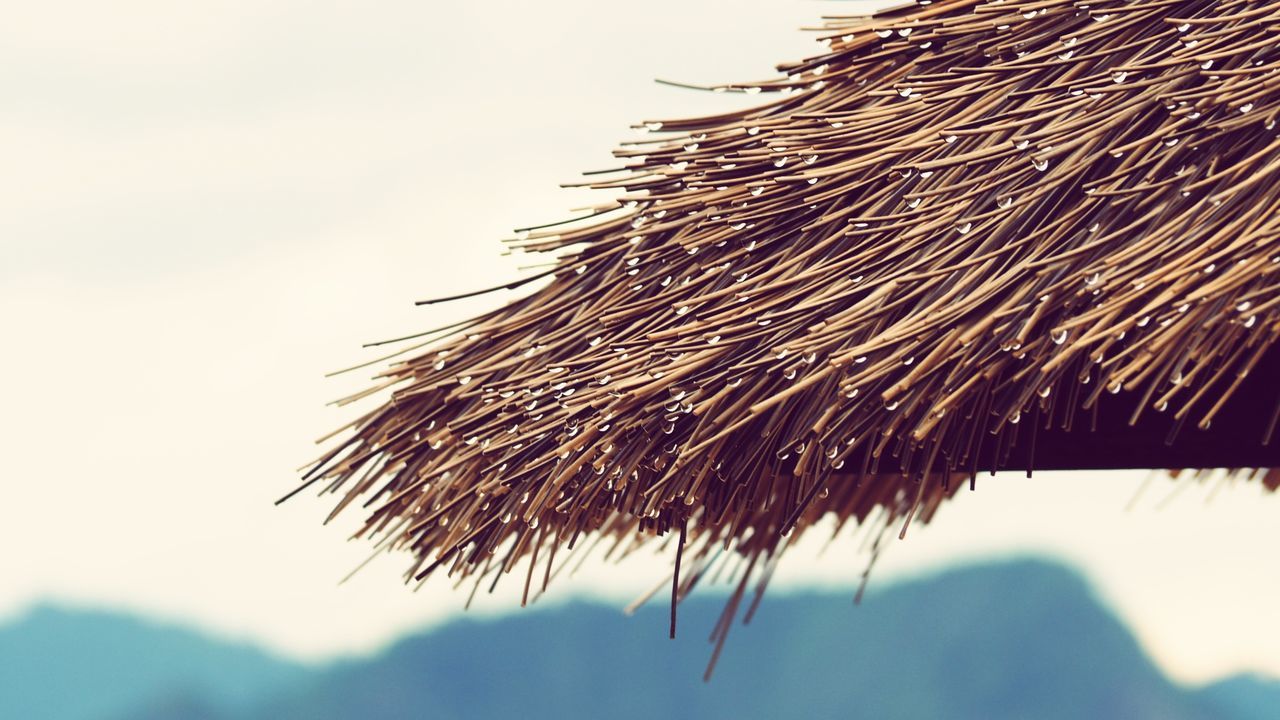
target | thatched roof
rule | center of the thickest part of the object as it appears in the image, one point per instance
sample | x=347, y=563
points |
x=959, y=238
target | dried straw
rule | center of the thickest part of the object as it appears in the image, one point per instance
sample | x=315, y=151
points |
x=960, y=220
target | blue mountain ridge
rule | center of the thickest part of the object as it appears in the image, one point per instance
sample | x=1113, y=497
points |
x=1014, y=639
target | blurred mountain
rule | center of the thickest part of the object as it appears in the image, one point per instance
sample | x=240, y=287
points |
x=68, y=664
x=1243, y=697
x=1023, y=639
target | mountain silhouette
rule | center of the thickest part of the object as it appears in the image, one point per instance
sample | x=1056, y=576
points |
x=1015, y=639
x=59, y=663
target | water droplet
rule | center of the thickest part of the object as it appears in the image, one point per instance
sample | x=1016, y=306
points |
x=884, y=33
x=1005, y=202
x=1040, y=164
x=1246, y=107
x=1115, y=388
x=1253, y=319
x=653, y=126
x=753, y=130
x=964, y=228
x=757, y=190
x=464, y=379
x=913, y=203
x=1184, y=27
x=1059, y=337
x=891, y=405
x=949, y=139
x=1044, y=391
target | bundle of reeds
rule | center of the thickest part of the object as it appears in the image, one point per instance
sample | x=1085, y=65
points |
x=946, y=242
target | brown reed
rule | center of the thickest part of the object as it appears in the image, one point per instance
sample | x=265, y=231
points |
x=961, y=219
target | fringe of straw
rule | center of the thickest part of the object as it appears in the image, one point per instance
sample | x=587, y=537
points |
x=959, y=215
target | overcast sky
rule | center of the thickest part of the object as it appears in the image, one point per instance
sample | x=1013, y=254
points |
x=208, y=206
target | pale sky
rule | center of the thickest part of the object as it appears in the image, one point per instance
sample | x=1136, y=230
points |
x=208, y=206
